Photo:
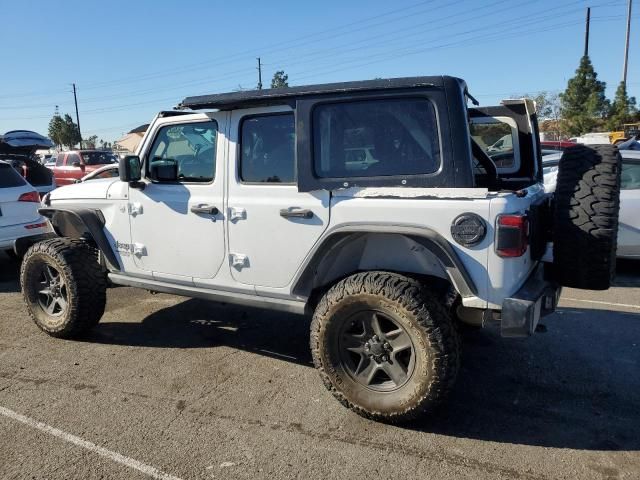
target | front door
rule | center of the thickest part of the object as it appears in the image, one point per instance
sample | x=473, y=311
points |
x=177, y=227
x=272, y=226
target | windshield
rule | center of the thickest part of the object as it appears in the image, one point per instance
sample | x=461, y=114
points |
x=97, y=158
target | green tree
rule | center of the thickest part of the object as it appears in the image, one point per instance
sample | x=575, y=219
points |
x=56, y=130
x=91, y=141
x=71, y=133
x=623, y=109
x=280, y=80
x=584, y=104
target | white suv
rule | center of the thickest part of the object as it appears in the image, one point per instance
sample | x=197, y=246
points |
x=265, y=198
x=19, y=217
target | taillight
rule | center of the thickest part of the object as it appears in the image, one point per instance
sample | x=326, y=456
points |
x=512, y=235
x=29, y=197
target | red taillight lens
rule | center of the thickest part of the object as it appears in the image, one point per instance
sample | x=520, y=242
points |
x=512, y=235
x=29, y=197
x=35, y=225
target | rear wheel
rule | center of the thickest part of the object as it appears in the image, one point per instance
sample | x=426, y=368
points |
x=384, y=346
x=64, y=286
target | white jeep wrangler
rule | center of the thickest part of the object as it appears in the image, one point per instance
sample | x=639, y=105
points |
x=383, y=208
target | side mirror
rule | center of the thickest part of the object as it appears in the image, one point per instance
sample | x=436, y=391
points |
x=129, y=169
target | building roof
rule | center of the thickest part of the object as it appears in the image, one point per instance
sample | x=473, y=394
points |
x=274, y=96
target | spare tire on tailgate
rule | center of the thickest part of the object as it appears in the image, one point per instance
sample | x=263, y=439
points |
x=587, y=201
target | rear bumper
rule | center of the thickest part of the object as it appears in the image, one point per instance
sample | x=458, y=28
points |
x=535, y=299
x=9, y=235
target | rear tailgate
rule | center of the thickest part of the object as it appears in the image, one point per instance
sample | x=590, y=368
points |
x=12, y=186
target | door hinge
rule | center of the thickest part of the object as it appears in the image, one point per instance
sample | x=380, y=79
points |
x=237, y=213
x=135, y=209
x=239, y=261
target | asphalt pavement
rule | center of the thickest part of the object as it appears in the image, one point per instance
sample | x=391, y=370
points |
x=175, y=388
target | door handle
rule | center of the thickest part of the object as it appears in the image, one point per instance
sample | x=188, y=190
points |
x=206, y=209
x=295, y=213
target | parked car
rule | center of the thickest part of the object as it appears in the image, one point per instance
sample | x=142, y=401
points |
x=629, y=218
x=73, y=165
x=51, y=162
x=108, y=171
x=18, y=148
x=19, y=203
x=367, y=205
x=558, y=145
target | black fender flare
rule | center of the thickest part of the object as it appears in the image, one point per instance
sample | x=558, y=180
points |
x=428, y=238
x=82, y=222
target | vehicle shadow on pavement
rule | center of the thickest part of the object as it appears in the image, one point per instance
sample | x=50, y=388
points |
x=9, y=274
x=573, y=387
x=196, y=323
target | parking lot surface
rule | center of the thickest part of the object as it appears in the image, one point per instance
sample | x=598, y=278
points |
x=176, y=388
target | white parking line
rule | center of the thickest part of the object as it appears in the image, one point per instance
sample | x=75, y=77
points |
x=115, y=456
x=601, y=303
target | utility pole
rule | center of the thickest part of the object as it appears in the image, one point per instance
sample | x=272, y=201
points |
x=259, y=74
x=626, y=47
x=586, y=33
x=75, y=99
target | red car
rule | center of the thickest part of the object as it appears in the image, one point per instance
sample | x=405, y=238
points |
x=73, y=165
x=559, y=145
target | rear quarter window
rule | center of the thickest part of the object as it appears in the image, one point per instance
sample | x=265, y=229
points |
x=9, y=177
x=376, y=138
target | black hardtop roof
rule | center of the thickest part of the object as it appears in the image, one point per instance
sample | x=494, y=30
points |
x=275, y=96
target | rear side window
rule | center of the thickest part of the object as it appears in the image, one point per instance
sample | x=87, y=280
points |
x=267, y=149
x=376, y=138
x=498, y=137
x=630, y=178
x=9, y=177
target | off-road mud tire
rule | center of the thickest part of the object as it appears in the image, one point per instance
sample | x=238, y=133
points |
x=84, y=279
x=585, y=229
x=422, y=315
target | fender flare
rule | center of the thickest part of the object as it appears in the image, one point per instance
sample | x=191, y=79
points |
x=80, y=222
x=428, y=238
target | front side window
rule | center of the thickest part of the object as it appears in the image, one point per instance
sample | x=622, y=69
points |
x=188, y=150
x=376, y=138
x=267, y=149
x=630, y=177
x=60, y=160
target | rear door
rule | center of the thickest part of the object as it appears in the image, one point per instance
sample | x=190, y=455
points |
x=272, y=226
x=12, y=186
x=508, y=133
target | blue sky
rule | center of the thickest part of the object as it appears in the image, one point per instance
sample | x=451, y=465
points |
x=131, y=59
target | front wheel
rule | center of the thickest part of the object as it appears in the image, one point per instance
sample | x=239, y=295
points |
x=63, y=286
x=384, y=346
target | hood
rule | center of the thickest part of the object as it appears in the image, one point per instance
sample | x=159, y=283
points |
x=23, y=142
x=94, y=189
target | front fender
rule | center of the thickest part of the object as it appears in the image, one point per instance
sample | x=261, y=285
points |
x=82, y=223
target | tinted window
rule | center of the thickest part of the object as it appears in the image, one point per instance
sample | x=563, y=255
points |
x=376, y=138
x=191, y=147
x=60, y=160
x=630, y=179
x=72, y=158
x=9, y=177
x=267, y=147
